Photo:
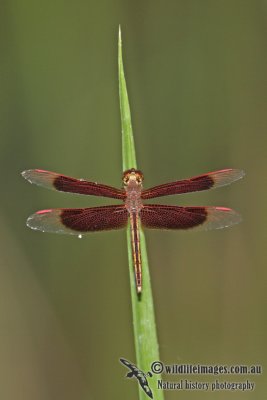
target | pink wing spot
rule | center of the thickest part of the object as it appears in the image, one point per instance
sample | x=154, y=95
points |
x=225, y=170
x=43, y=211
x=40, y=170
x=223, y=209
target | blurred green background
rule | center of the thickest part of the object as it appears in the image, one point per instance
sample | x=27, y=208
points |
x=196, y=73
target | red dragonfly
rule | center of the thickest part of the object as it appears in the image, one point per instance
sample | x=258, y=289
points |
x=77, y=221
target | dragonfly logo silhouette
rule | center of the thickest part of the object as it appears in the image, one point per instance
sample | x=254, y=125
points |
x=139, y=375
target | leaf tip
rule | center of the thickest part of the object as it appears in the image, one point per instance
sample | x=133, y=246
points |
x=119, y=34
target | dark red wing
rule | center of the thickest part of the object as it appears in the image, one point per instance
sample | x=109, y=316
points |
x=158, y=216
x=79, y=220
x=52, y=180
x=198, y=183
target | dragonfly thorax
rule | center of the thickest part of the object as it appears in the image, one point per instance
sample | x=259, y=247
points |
x=132, y=180
x=133, y=201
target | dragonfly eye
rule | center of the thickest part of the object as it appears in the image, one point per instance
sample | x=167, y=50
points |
x=126, y=176
x=125, y=179
x=132, y=173
x=139, y=176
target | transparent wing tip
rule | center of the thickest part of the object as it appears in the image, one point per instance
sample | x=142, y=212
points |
x=36, y=221
x=223, y=217
x=238, y=174
x=27, y=174
x=227, y=176
x=49, y=221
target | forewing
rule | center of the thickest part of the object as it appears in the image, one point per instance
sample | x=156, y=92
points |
x=173, y=217
x=52, y=180
x=75, y=221
x=195, y=184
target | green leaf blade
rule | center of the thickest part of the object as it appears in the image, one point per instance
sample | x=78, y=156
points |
x=128, y=148
x=145, y=334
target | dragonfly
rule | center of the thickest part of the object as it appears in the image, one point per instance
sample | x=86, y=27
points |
x=78, y=221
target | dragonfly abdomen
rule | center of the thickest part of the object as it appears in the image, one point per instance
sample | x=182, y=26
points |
x=135, y=240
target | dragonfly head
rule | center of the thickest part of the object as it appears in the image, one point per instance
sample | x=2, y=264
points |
x=132, y=176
